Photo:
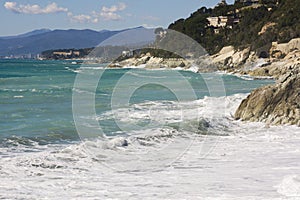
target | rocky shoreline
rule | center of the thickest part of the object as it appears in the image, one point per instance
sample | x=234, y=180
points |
x=274, y=104
x=270, y=63
x=150, y=62
x=277, y=104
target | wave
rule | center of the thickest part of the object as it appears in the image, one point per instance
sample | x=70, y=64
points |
x=146, y=75
x=153, y=160
x=18, y=96
x=163, y=119
x=205, y=153
x=49, y=90
x=82, y=68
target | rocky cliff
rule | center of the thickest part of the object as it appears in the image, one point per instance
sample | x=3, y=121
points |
x=271, y=61
x=275, y=104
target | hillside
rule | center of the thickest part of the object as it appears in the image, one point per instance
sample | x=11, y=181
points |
x=256, y=25
x=57, y=39
x=31, y=33
x=38, y=41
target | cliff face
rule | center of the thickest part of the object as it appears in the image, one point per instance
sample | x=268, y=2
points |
x=229, y=59
x=285, y=48
x=247, y=61
x=275, y=104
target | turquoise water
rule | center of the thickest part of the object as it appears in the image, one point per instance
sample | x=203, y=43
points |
x=36, y=98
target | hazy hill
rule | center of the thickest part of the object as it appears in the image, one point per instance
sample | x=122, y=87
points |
x=34, y=32
x=38, y=41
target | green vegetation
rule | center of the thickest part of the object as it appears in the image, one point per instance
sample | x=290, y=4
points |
x=256, y=26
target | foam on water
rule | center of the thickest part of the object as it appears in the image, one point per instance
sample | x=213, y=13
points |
x=167, y=150
x=250, y=162
x=290, y=186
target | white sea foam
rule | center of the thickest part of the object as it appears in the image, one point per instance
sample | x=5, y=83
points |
x=193, y=68
x=251, y=162
x=19, y=96
x=248, y=77
x=290, y=186
x=135, y=67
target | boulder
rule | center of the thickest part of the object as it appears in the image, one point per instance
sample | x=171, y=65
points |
x=274, y=104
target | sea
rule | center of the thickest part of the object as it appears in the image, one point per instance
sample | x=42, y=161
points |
x=71, y=130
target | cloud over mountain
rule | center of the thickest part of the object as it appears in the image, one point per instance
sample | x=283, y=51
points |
x=33, y=9
x=110, y=13
x=106, y=14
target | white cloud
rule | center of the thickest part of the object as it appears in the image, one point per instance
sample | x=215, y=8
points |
x=34, y=9
x=106, y=13
x=111, y=12
x=110, y=16
x=82, y=18
x=114, y=8
x=95, y=20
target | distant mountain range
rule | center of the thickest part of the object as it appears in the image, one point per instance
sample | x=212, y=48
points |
x=37, y=41
x=31, y=33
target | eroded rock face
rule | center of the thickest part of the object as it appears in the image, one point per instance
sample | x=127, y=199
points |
x=229, y=58
x=279, y=68
x=285, y=48
x=275, y=104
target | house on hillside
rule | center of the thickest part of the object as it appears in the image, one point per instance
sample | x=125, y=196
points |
x=221, y=22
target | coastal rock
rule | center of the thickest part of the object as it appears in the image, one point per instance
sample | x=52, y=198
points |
x=247, y=61
x=278, y=68
x=167, y=63
x=275, y=104
x=284, y=48
x=229, y=58
x=240, y=57
x=225, y=53
x=151, y=62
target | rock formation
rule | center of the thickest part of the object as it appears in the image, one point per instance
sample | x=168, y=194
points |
x=247, y=61
x=229, y=58
x=151, y=62
x=285, y=48
x=275, y=104
x=278, y=67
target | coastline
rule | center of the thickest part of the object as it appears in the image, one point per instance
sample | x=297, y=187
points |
x=282, y=65
x=282, y=61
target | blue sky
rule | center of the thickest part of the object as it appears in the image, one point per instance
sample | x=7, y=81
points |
x=20, y=16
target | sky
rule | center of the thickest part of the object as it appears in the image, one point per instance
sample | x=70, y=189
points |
x=21, y=16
